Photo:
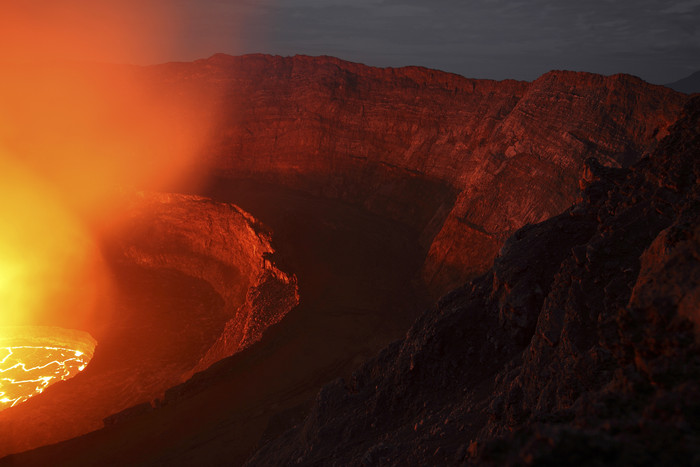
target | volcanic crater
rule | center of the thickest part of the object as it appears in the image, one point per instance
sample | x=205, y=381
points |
x=340, y=201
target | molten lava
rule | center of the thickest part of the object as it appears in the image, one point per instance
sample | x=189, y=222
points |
x=33, y=358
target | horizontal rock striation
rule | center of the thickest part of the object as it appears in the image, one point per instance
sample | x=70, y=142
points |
x=580, y=346
x=466, y=162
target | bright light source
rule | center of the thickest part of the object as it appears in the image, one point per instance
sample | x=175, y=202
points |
x=32, y=358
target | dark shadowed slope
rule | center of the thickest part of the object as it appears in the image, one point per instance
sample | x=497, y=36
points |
x=578, y=347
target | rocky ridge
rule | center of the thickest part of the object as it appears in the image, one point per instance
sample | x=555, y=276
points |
x=578, y=347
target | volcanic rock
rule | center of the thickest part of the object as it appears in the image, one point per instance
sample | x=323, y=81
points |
x=219, y=243
x=377, y=158
x=465, y=162
x=578, y=347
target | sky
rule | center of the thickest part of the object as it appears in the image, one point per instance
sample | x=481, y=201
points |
x=658, y=40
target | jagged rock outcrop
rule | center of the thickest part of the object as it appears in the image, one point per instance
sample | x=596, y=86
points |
x=579, y=346
x=466, y=162
x=534, y=157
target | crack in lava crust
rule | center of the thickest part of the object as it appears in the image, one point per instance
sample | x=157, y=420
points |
x=32, y=358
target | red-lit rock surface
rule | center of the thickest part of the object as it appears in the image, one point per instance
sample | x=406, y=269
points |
x=405, y=142
x=580, y=346
x=192, y=285
x=379, y=159
x=220, y=244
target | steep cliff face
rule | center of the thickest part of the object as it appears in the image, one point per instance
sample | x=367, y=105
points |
x=465, y=162
x=578, y=347
x=531, y=161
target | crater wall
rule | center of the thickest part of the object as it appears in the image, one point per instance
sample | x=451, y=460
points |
x=465, y=162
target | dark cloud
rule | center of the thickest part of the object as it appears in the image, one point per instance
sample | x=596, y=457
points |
x=658, y=40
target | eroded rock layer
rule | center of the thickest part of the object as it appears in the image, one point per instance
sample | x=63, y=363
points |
x=579, y=346
x=464, y=161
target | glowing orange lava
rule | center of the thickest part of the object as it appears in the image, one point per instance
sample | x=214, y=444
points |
x=33, y=358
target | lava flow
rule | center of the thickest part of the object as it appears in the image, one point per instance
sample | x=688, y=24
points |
x=33, y=358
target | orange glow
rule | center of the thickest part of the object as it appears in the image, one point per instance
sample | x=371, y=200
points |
x=83, y=126
x=85, y=129
x=108, y=31
x=34, y=358
x=73, y=130
x=51, y=272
